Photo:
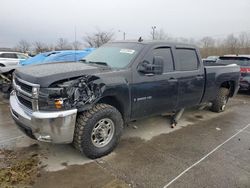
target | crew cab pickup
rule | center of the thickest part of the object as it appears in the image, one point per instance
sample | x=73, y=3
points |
x=87, y=103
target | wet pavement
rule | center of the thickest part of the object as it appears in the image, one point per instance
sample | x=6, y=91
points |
x=206, y=150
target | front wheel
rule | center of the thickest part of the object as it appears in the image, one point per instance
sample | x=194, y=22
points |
x=98, y=130
x=219, y=104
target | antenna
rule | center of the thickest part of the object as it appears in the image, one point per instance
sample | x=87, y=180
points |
x=75, y=43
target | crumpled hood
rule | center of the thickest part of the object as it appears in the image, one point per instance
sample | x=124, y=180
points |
x=8, y=69
x=46, y=74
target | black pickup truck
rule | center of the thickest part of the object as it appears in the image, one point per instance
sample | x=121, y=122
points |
x=87, y=103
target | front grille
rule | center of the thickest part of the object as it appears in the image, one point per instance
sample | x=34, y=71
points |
x=24, y=101
x=24, y=93
x=23, y=86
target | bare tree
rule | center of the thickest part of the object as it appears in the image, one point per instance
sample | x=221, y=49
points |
x=159, y=35
x=182, y=40
x=231, y=43
x=63, y=44
x=207, y=42
x=40, y=47
x=77, y=45
x=98, y=38
x=244, y=42
x=23, y=46
x=207, y=45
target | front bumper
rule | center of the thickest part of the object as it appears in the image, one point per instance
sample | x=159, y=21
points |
x=55, y=127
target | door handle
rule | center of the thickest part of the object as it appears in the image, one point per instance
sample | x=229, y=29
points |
x=172, y=80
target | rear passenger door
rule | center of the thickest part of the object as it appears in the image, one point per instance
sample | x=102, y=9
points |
x=154, y=94
x=190, y=75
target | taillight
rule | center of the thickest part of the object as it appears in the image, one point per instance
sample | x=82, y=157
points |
x=245, y=70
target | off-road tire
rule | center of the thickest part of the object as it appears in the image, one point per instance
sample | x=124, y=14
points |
x=218, y=105
x=85, y=123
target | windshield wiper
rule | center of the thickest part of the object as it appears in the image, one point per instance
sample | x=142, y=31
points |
x=95, y=62
x=99, y=63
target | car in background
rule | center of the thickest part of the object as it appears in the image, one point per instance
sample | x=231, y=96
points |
x=244, y=62
x=47, y=57
x=210, y=60
x=11, y=58
x=58, y=56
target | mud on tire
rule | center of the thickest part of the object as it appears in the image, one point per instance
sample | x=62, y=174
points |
x=92, y=121
x=219, y=104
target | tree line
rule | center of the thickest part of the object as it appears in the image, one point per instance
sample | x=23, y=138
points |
x=230, y=44
x=210, y=46
x=93, y=40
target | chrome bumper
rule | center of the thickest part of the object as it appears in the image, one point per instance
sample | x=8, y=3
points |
x=55, y=127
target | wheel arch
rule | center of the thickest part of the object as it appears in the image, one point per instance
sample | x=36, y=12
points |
x=229, y=85
x=115, y=102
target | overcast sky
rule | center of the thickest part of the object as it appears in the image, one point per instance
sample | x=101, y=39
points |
x=47, y=20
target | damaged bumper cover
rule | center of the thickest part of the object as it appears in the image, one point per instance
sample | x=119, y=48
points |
x=55, y=127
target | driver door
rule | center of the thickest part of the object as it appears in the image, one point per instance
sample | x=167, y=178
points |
x=153, y=94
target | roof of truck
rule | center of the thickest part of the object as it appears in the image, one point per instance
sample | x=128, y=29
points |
x=157, y=42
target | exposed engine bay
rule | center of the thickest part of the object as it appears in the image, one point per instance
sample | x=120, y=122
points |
x=75, y=93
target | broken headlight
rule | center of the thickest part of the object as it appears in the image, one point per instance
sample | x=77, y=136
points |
x=51, y=99
x=68, y=95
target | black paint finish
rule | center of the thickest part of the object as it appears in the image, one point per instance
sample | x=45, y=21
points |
x=140, y=95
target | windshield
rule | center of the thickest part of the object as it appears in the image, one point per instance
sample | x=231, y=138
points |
x=115, y=55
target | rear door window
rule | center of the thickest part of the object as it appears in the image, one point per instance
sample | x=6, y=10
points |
x=187, y=59
x=166, y=54
x=9, y=55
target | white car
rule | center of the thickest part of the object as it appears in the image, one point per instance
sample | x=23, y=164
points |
x=11, y=58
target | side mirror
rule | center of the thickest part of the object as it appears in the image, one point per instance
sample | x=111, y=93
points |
x=152, y=68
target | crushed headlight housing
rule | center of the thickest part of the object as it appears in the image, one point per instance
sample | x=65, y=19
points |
x=51, y=99
x=70, y=94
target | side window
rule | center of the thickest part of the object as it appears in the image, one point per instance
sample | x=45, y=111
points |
x=187, y=59
x=166, y=54
x=9, y=55
x=21, y=56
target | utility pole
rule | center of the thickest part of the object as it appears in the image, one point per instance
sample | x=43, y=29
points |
x=124, y=34
x=153, y=28
x=75, y=38
x=75, y=44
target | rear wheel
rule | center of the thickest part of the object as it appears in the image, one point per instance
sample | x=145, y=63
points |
x=219, y=104
x=98, y=130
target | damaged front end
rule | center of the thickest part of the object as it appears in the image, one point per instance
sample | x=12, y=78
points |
x=79, y=93
x=6, y=74
x=6, y=82
x=54, y=118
